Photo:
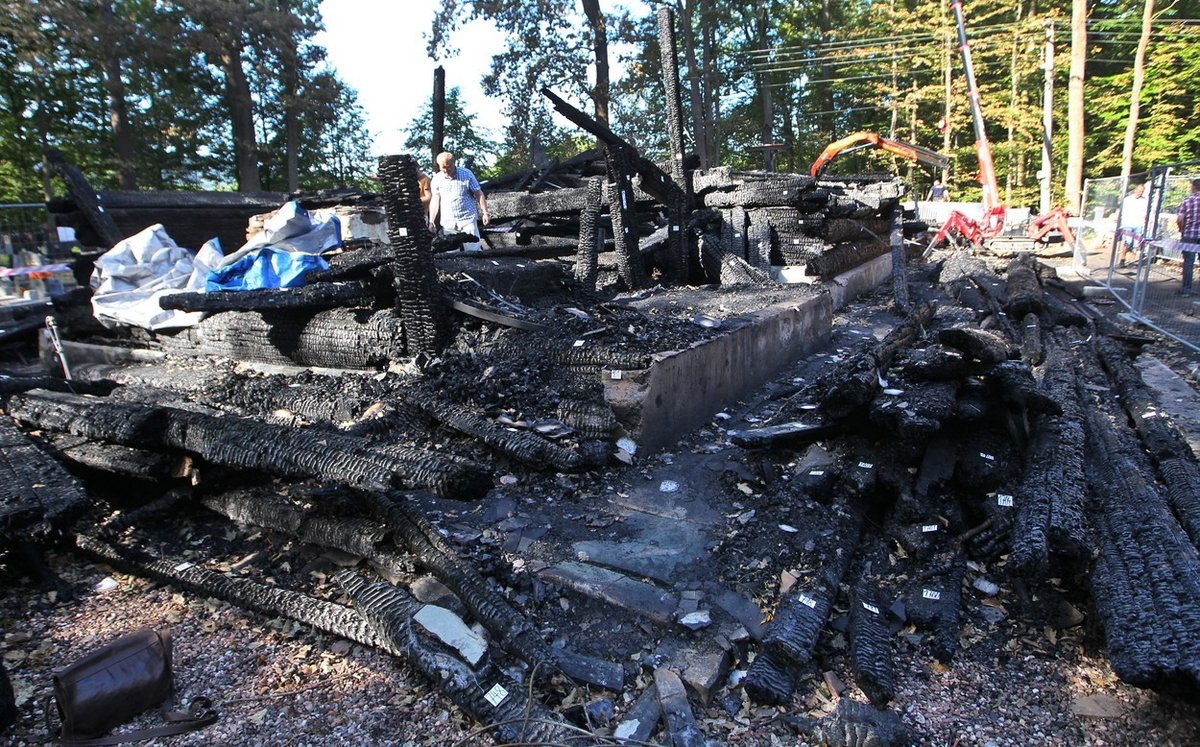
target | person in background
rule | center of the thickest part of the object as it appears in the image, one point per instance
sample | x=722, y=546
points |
x=1133, y=222
x=426, y=194
x=1187, y=217
x=458, y=201
x=938, y=192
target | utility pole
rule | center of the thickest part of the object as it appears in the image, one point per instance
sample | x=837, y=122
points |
x=1044, y=176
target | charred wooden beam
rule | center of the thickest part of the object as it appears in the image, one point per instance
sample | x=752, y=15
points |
x=249, y=444
x=85, y=199
x=314, y=296
x=419, y=302
x=843, y=257
x=37, y=496
x=486, y=695
x=122, y=461
x=854, y=724
x=589, y=235
x=655, y=181
x=619, y=196
x=871, y=650
x=1022, y=288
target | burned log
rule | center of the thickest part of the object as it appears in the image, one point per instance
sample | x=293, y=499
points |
x=843, y=257
x=871, y=653
x=37, y=496
x=528, y=448
x=314, y=296
x=934, y=604
x=338, y=338
x=253, y=445
x=589, y=235
x=983, y=346
x=1168, y=448
x=122, y=461
x=1022, y=288
x=487, y=695
x=594, y=419
x=85, y=199
x=419, y=302
x=619, y=197
x=727, y=268
x=854, y=724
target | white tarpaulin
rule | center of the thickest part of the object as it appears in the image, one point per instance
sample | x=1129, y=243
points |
x=130, y=278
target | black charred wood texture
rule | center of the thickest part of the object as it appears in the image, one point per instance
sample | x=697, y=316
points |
x=1032, y=351
x=390, y=610
x=249, y=444
x=1022, y=288
x=419, y=302
x=845, y=256
x=619, y=196
x=934, y=604
x=770, y=679
x=1168, y=448
x=315, y=296
x=981, y=345
x=8, y=702
x=37, y=496
x=589, y=237
x=338, y=338
x=527, y=448
x=354, y=264
x=871, y=651
x=854, y=724
x=594, y=419
x=513, y=631
x=241, y=592
x=122, y=461
x=727, y=268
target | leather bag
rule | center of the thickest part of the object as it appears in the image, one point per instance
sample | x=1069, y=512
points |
x=115, y=683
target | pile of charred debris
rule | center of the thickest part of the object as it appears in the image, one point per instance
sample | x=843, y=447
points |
x=439, y=413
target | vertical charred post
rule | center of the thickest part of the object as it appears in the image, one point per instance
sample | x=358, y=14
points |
x=681, y=199
x=624, y=222
x=871, y=648
x=586, y=262
x=419, y=301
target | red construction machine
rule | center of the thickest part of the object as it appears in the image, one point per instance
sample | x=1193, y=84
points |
x=864, y=139
x=980, y=232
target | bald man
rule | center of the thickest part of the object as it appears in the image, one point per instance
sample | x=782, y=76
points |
x=458, y=198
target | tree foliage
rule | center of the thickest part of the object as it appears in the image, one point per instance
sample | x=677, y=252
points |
x=206, y=91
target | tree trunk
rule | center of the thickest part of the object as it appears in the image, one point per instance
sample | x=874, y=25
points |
x=1135, y=95
x=595, y=17
x=1075, y=105
x=762, y=27
x=241, y=116
x=825, y=89
x=117, y=112
x=700, y=134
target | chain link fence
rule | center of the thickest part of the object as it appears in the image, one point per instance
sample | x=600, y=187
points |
x=1142, y=272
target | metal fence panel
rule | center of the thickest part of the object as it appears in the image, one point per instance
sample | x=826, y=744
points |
x=1149, y=283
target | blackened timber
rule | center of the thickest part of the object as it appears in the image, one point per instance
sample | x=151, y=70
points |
x=516, y=720
x=899, y=265
x=846, y=256
x=315, y=296
x=234, y=442
x=655, y=181
x=586, y=268
x=620, y=208
x=37, y=495
x=123, y=461
x=419, y=301
x=241, y=592
x=85, y=198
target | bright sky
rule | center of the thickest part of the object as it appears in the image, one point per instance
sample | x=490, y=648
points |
x=378, y=48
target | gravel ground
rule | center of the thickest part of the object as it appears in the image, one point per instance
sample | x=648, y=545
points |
x=1022, y=676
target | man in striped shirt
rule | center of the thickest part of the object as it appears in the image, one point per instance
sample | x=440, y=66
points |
x=459, y=200
x=1187, y=217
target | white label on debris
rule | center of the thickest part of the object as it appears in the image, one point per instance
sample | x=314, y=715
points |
x=795, y=241
x=1004, y=500
x=931, y=594
x=929, y=528
x=807, y=601
x=184, y=566
x=495, y=263
x=496, y=695
x=988, y=457
x=403, y=231
x=865, y=465
x=578, y=344
x=870, y=608
x=616, y=375
x=817, y=472
x=675, y=229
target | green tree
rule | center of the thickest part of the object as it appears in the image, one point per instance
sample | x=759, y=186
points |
x=461, y=137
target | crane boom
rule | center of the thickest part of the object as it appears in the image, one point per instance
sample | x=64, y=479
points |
x=993, y=210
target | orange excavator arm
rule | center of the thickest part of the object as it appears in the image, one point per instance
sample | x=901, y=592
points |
x=865, y=139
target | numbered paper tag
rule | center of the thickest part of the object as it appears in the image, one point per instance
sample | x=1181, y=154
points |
x=929, y=528
x=988, y=457
x=865, y=465
x=817, y=472
x=403, y=231
x=807, y=601
x=578, y=344
x=184, y=566
x=615, y=375
x=1004, y=500
x=870, y=608
x=496, y=695
x=931, y=594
